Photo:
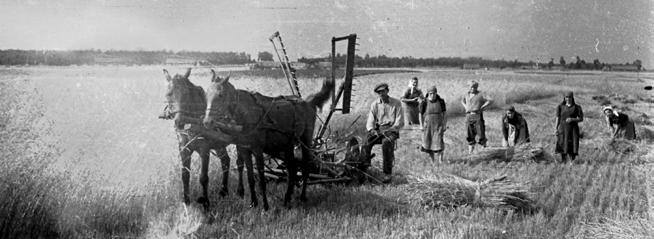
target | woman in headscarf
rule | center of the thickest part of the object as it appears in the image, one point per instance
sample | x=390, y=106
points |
x=514, y=128
x=621, y=126
x=412, y=98
x=434, y=122
x=568, y=116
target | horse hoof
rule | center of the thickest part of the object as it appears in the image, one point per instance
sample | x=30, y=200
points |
x=265, y=207
x=223, y=193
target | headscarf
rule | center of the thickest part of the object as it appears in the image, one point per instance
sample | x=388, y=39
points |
x=433, y=90
x=516, y=115
x=608, y=107
x=572, y=98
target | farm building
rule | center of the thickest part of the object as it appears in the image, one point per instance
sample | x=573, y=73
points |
x=320, y=64
x=105, y=59
x=184, y=60
x=299, y=65
x=275, y=64
x=621, y=68
x=470, y=66
x=264, y=65
x=557, y=67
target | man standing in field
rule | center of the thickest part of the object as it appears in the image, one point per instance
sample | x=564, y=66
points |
x=384, y=122
x=475, y=104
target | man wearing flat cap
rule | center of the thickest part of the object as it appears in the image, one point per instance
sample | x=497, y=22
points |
x=384, y=122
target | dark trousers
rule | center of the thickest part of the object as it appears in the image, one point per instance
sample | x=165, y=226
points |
x=387, y=140
x=475, y=123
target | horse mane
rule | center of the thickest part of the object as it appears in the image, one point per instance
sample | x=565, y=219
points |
x=264, y=98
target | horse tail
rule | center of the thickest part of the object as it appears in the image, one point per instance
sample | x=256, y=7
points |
x=319, y=99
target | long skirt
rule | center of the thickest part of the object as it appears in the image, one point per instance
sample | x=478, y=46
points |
x=567, y=139
x=411, y=114
x=432, y=137
x=628, y=131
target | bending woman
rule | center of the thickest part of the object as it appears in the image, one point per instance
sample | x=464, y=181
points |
x=621, y=126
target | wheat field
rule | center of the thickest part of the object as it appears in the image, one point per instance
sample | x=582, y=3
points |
x=84, y=156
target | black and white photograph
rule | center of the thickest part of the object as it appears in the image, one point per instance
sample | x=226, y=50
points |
x=326, y=119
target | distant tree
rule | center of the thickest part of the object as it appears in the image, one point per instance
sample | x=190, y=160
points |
x=551, y=63
x=597, y=65
x=578, y=63
x=562, y=61
x=265, y=56
x=638, y=64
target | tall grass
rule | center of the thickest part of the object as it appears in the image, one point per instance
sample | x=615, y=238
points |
x=27, y=187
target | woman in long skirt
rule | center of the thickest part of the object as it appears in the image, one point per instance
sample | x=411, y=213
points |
x=412, y=98
x=621, y=126
x=434, y=122
x=568, y=116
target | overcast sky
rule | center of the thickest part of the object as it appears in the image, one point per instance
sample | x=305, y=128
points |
x=613, y=31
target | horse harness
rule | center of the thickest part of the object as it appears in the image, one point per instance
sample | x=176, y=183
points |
x=266, y=121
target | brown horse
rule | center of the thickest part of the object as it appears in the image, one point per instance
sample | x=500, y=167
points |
x=274, y=125
x=186, y=105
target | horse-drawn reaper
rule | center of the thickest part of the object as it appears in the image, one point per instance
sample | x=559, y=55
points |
x=258, y=124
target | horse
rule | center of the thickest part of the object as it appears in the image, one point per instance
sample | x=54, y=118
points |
x=271, y=125
x=186, y=105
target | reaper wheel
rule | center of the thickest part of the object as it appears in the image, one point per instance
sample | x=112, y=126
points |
x=352, y=150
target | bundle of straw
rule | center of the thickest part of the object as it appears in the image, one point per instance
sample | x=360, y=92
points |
x=621, y=146
x=449, y=191
x=521, y=153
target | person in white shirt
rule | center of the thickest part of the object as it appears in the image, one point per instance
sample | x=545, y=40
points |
x=384, y=122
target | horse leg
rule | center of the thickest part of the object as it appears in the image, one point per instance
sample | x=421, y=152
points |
x=292, y=175
x=224, y=163
x=239, y=165
x=306, y=164
x=246, y=156
x=186, y=170
x=258, y=156
x=204, y=178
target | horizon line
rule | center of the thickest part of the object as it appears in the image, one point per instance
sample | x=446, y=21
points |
x=302, y=56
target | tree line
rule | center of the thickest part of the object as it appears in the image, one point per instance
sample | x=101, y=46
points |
x=385, y=61
x=88, y=57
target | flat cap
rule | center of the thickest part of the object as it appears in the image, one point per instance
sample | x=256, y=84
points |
x=380, y=87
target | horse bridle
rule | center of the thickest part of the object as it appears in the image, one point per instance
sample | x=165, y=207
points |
x=172, y=108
